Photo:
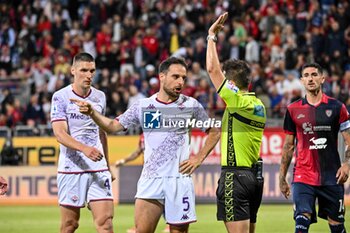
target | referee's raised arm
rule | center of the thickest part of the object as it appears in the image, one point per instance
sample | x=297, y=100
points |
x=212, y=61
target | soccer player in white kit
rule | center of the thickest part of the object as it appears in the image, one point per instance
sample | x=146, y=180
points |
x=165, y=186
x=83, y=169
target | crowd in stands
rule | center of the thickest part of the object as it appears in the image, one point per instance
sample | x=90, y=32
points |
x=129, y=38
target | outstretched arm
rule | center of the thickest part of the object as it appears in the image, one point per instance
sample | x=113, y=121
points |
x=107, y=124
x=190, y=165
x=212, y=61
x=134, y=155
x=287, y=155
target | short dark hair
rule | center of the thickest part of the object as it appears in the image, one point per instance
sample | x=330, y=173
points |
x=314, y=65
x=83, y=57
x=164, y=65
x=237, y=71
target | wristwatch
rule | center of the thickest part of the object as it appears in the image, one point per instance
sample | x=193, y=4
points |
x=212, y=37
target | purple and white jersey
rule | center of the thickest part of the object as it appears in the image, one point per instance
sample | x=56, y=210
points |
x=81, y=127
x=166, y=129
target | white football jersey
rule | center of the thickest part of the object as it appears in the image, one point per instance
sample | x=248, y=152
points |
x=166, y=128
x=81, y=127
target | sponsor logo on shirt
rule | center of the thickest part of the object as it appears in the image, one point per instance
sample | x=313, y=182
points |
x=319, y=143
x=310, y=129
x=307, y=128
x=300, y=116
x=77, y=116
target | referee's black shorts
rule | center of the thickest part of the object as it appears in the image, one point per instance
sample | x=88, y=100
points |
x=239, y=194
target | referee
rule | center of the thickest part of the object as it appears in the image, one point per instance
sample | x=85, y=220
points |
x=240, y=186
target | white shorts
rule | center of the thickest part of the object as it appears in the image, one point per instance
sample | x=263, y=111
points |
x=175, y=193
x=77, y=189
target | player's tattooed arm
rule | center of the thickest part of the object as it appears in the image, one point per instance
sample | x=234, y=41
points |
x=343, y=172
x=287, y=155
x=346, y=135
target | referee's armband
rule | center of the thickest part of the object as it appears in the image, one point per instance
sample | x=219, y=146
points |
x=345, y=125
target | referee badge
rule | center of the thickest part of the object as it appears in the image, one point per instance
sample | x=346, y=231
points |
x=329, y=112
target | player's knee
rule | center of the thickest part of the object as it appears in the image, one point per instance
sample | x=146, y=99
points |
x=104, y=223
x=338, y=228
x=69, y=226
x=179, y=228
x=302, y=223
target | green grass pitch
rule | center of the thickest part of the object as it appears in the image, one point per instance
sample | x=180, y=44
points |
x=46, y=219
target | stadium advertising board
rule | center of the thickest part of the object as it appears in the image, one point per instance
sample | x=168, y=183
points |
x=36, y=151
x=205, y=183
x=31, y=185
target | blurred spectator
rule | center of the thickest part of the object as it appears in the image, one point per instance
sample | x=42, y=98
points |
x=203, y=94
x=301, y=18
x=129, y=38
x=236, y=51
x=151, y=43
x=34, y=113
x=267, y=22
x=335, y=41
x=198, y=73
x=141, y=57
x=7, y=35
x=57, y=29
x=5, y=59
x=117, y=28
x=290, y=56
x=239, y=31
x=223, y=46
x=199, y=51
x=104, y=38
x=8, y=156
x=117, y=105
x=89, y=44
x=40, y=77
x=102, y=58
x=252, y=50
x=134, y=95
x=153, y=86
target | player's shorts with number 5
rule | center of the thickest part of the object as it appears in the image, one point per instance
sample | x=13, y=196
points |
x=176, y=193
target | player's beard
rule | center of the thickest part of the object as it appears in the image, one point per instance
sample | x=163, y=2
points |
x=171, y=92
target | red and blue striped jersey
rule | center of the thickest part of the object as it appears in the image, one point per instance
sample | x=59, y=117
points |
x=316, y=129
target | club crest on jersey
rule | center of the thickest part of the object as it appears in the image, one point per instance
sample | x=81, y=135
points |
x=151, y=119
x=329, y=112
x=181, y=106
x=232, y=86
x=75, y=198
